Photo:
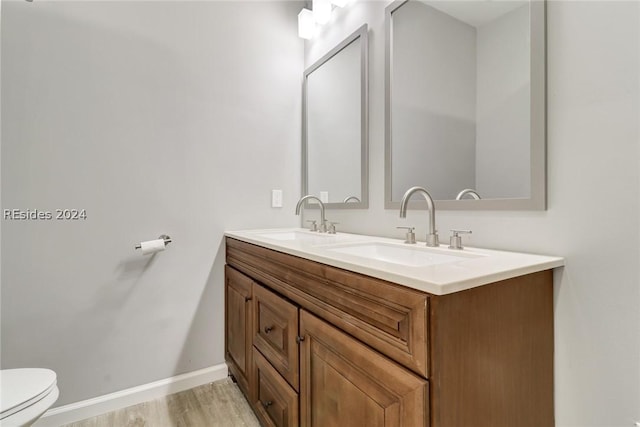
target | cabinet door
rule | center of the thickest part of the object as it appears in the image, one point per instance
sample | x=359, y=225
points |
x=275, y=330
x=343, y=382
x=275, y=402
x=238, y=322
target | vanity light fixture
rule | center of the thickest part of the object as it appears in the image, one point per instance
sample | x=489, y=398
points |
x=320, y=14
x=306, y=24
x=321, y=11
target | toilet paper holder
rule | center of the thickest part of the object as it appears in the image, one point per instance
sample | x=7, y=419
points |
x=166, y=238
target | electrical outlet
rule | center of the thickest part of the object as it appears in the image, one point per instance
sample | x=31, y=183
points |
x=276, y=198
x=324, y=196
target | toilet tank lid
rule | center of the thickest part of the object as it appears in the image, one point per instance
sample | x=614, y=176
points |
x=19, y=386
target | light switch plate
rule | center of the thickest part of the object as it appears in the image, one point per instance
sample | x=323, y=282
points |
x=276, y=198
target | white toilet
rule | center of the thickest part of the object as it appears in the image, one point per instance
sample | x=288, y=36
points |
x=25, y=394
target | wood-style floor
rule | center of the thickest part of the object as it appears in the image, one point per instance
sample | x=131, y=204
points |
x=219, y=404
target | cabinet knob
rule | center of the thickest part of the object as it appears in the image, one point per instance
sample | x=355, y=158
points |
x=299, y=339
x=246, y=299
x=268, y=329
x=267, y=404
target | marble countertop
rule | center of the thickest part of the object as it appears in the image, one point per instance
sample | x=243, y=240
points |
x=437, y=271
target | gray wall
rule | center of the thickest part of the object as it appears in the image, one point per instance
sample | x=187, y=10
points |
x=593, y=212
x=503, y=133
x=156, y=117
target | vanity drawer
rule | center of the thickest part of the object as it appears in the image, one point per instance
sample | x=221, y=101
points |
x=386, y=316
x=275, y=402
x=275, y=332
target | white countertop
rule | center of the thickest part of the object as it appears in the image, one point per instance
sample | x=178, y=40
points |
x=470, y=268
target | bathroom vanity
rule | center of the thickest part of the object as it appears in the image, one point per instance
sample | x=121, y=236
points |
x=325, y=331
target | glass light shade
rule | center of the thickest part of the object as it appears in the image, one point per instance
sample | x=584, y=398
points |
x=306, y=24
x=340, y=3
x=322, y=11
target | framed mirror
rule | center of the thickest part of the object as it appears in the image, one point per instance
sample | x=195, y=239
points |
x=335, y=126
x=465, y=103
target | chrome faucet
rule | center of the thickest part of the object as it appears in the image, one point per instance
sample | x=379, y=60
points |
x=350, y=198
x=322, y=228
x=470, y=191
x=432, y=235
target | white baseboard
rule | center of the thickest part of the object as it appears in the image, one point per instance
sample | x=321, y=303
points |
x=121, y=399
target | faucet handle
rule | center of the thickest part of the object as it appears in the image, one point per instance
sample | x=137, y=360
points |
x=313, y=226
x=455, y=241
x=410, y=237
x=332, y=227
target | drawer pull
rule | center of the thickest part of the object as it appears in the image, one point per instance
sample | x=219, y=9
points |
x=268, y=329
x=247, y=299
x=299, y=339
x=267, y=404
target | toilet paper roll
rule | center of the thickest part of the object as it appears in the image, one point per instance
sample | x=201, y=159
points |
x=152, y=246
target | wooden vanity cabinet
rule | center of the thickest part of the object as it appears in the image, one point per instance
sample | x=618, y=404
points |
x=338, y=378
x=344, y=349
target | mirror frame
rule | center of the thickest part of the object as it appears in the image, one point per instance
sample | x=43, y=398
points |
x=362, y=34
x=537, y=199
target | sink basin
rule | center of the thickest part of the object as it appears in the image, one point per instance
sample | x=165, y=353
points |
x=409, y=255
x=293, y=235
